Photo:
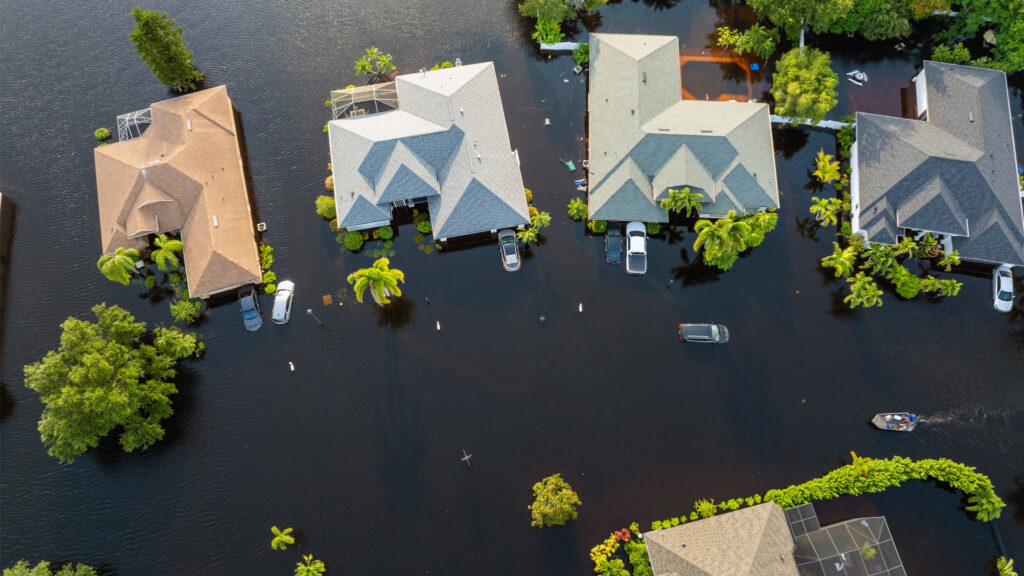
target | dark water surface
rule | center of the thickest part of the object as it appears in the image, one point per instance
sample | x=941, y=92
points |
x=359, y=447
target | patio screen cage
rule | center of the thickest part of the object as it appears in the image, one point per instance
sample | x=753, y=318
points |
x=133, y=124
x=858, y=547
x=364, y=100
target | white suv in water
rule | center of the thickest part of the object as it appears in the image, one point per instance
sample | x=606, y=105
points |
x=636, y=248
x=1002, y=288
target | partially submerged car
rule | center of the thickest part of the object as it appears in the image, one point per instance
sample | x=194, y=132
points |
x=613, y=243
x=1002, y=288
x=704, y=333
x=283, y=302
x=510, y=260
x=250, y=305
x=636, y=248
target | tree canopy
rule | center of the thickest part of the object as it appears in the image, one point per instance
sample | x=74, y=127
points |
x=380, y=279
x=104, y=376
x=22, y=568
x=804, y=85
x=554, y=502
x=160, y=45
x=376, y=63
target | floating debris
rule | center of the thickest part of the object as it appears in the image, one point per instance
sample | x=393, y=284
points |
x=328, y=300
x=292, y=366
x=581, y=306
x=547, y=121
x=427, y=300
x=543, y=317
x=439, y=325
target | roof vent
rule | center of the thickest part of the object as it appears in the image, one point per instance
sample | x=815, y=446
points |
x=664, y=129
x=143, y=172
x=645, y=77
x=215, y=222
x=423, y=71
x=188, y=124
x=970, y=115
x=707, y=132
x=458, y=61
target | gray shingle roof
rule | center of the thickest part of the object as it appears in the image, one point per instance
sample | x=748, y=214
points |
x=447, y=141
x=645, y=140
x=953, y=174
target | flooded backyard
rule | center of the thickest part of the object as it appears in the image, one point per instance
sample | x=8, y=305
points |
x=358, y=448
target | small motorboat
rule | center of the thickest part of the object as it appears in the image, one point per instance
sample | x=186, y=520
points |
x=896, y=421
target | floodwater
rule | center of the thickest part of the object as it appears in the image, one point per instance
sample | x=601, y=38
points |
x=359, y=446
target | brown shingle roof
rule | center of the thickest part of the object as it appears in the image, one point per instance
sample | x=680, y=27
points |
x=751, y=541
x=184, y=172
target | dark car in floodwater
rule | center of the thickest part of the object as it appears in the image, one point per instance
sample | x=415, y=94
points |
x=613, y=243
x=704, y=333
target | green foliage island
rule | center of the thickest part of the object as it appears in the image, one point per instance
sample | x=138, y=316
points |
x=160, y=45
x=106, y=377
x=22, y=568
x=554, y=502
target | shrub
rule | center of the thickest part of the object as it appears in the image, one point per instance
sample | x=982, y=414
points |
x=638, y=557
x=186, y=311
x=581, y=55
x=150, y=282
x=327, y=104
x=266, y=256
x=554, y=502
x=353, y=241
x=547, y=32
x=529, y=195
x=329, y=182
x=446, y=64
x=269, y=277
x=417, y=238
x=845, y=140
x=102, y=134
x=577, y=209
x=200, y=349
x=845, y=229
x=533, y=212
x=653, y=228
x=424, y=227
x=270, y=288
x=598, y=226
x=326, y=208
x=386, y=232
x=325, y=128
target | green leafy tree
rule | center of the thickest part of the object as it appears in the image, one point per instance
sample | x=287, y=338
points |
x=577, y=209
x=792, y=15
x=1006, y=19
x=611, y=567
x=681, y=201
x=925, y=8
x=325, y=207
x=174, y=343
x=864, y=292
x=957, y=54
x=21, y=568
x=722, y=239
x=826, y=210
x=760, y=223
x=549, y=10
x=581, y=54
x=102, y=377
x=120, y=265
x=160, y=45
x=547, y=32
x=282, y=538
x=842, y=260
x=101, y=134
x=877, y=19
x=879, y=258
x=353, y=240
x=185, y=310
x=380, y=279
x=825, y=168
x=540, y=220
x=310, y=566
x=166, y=252
x=804, y=85
x=907, y=285
x=758, y=40
x=1004, y=565
x=554, y=502
x=376, y=63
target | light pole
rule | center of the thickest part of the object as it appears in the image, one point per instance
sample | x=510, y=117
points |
x=310, y=312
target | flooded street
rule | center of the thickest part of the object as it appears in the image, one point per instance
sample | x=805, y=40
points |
x=359, y=447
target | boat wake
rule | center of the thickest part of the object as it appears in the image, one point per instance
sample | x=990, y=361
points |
x=971, y=417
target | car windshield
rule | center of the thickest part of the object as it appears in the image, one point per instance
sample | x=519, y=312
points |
x=1005, y=296
x=714, y=332
x=251, y=313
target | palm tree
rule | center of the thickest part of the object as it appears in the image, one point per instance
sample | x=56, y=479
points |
x=310, y=566
x=880, y=258
x=906, y=246
x=949, y=260
x=577, y=209
x=540, y=220
x=166, y=251
x=721, y=238
x=528, y=235
x=842, y=260
x=281, y=538
x=949, y=287
x=364, y=66
x=1005, y=566
x=174, y=343
x=380, y=279
x=682, y=201
x=826, y=169
x=863, y=292
x=120, y=265
x=986, y=506
x=760, y=224
x=825, y=210
x=384, y=65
